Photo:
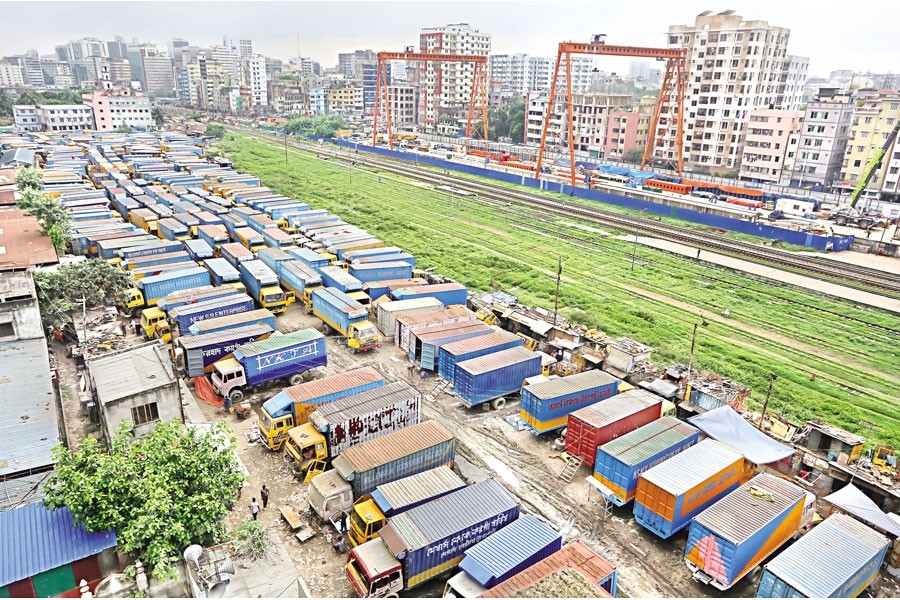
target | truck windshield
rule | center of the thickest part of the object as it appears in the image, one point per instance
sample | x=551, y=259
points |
x=264, y=421
x=358, y=523
x=273, y=298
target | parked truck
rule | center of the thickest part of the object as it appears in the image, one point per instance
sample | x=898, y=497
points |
x=235, y=254
x=337, y=278
x=221, y=272
x=199, y=294
x=546, y=405
x=250, y=239
x=195, y=355
x=185, y=316
x=255, y=364
x=291, y=407
x=151, y=289
x=262, y=284
x=347, y=317
x=358, y=470
x=493, y=377
x=214, y=235
x=158, y=259
x=198, y=250
x=254, y=317
x=173, y=229
x=590, y=427
x=295, y=276
x=429, y=540
x=335, y=426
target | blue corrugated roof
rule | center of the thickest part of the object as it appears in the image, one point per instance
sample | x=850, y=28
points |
x=519, y=543
x=35, y=539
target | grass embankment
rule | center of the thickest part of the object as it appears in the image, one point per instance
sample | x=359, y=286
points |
x=827, y=365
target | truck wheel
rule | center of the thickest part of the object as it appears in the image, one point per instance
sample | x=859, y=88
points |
x=840, y=220
x=498, y=403
x=127, y=312
x=865, y=224
x=236, y=396
x=296, y=379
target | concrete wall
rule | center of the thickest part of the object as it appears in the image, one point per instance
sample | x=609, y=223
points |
x=166, y=398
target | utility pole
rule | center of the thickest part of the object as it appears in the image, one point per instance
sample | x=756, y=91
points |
x=84, y=318
x=556, y=299
x=762, y=417
x=285, y=148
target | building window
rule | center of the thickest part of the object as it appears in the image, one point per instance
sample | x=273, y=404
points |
x=146, y=413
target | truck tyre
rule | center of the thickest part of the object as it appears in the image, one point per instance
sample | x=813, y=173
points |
x=296, y=379
x=498, y=403
x=840, y=220
x=865, y=224
x=236, y=395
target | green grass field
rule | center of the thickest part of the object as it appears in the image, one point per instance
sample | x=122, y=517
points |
x=828, y=366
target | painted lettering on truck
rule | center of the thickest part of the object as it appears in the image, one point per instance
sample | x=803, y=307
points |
x=452, y=547
x=288, y=355
x=583, y=399
x=694, y=499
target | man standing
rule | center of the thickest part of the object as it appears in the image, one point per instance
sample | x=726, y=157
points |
x=265, y=495
x=254, y=509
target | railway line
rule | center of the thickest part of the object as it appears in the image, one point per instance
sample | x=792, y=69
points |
x=497, y=196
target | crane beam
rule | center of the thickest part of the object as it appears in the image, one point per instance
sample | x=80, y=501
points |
x=432, y=57
x=631, y=51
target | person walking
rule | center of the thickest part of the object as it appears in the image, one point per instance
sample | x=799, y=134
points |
x=134, y=326
x=698, y=253
x=254, y=509
x=264, y=494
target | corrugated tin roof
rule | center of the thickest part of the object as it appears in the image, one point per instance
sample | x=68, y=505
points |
x=277, y=342
x=17, y=157
x=480, y=342
x=609, y=411
x=511, y=546
x=21, y=242
x=37, y=539
x=648, y=441
x=571, y=384
x=826, y=557
x=740, y=514
x=205, y=305
x=362, y=403
x=417, y=488
x=193, y=341
x=422, y=525
x=131, y=372
x=341, y=276
x=395, y=305
x=445, y=330
x=219, y=322
x=331, y=384
x=496, y=360
x=28, y=416
x=691, y=467
x=386, y=264
x=394, y=445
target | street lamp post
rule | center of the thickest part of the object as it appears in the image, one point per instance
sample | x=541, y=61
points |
x=634, y=253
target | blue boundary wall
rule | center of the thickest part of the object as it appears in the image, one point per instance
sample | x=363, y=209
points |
x=799, y=238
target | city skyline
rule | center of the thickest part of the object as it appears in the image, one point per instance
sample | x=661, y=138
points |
x=532, y=28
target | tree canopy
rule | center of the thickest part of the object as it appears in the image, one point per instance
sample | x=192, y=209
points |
x=158, y=115
x=124, y=128
x=508, y=121
x=319, y=126
x=216, y=131
x=60, y=291
x=29, y=178
x=161, y=493
x=52, y=216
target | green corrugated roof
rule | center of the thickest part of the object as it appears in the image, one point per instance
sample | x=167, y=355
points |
x=648, y=440
x=279, y=341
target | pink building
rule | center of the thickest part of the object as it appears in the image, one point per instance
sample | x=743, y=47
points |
x=771, y=134
x=113, y=108
x=622, y=134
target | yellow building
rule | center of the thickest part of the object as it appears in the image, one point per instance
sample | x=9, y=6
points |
x=345, y=100
x=873, y=121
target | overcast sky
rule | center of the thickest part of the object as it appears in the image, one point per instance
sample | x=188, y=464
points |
x=854, y=34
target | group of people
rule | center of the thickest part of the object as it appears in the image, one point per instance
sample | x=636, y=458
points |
x=254, y=505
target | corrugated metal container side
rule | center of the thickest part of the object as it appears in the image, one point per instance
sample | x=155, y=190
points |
x=388, y=312
x=741, y=530
x=401, y=495
x=377, y=289
x=201, y=351
x=396, y=455
x=280, y=356
x=456, y=352
x=350, y=256
x=410, y=323
x=185, y=316
x=273, y=257
x=839, y=558
x=155, y=287
x=368, y=260
x=673, y=492
x=428, y=341
x=620, y=462
x=338, y=278
x=254, y=317
x=221, y=271
x=235, y=254
x=590, y=427
x=198, y=249
x=296, y=276
x=381, y=270
x=546, y=406
x=314, y=260
x=522, y=543
x=483, y=379
x=448, y=293
x=321, y=391
x=432, y=537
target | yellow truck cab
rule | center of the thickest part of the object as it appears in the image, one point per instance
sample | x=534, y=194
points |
x=150, y=319
x=307, y=297
x=163, y=332
x=362, y=336
x=361, y=297
x=366, y=520
x=134, y=300
x=308, y=450
x=275, y=299
x=238, y=286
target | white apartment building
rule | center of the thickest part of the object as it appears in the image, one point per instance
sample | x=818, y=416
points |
x=254, y=76
x=734, y=67
x=230, y=62
x=53, y=117
x=591, y=121
x=11, y=75
x=521, y=73
x=114, y=108
x=445, y=88
x=240, y=48
x=25, y=117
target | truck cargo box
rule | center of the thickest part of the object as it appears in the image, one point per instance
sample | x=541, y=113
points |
x=273, y=257
x=401, y=495
x=280, y=356
x=377, y=289
x=338, y=310
x=620, y=462
x=235, y=254
x=310, y=395
x=403, y=257
x=198, y=250
x=494, y=376
x=592, y=426
x=296, y=276
x=456, y=352
x=149, y=250
x=385, y=251
x=427, y=341
x=388, y=312
x=253, y=317
x=546, y=406
x=408, y=324
x=192, y=295
x=214, y=235
x=195, y=354
x=314, y=260
x=448, y=293
x=185, y=316
x=221, y=271
x=381, y=270
x=675, y=491
x=155, y=287
x=335, y=277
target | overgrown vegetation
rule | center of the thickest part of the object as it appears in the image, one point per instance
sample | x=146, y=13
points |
x=829, y=365
x=253, y=540
x=161, y=493
x=319, y=126
x=216, y=131
x=61, y=291
x=506, y=122
x=50, y=214
x=125, y=128
x=45, y=97
x=159, y=117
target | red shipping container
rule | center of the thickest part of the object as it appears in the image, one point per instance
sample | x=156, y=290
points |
x=590, y=427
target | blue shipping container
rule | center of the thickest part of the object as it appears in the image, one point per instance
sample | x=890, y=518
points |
x=254, y=317
x=272, y=257
x=372, y=252
x=198, y=250
x=399, y=496
x=448, y=293
x=150, y=250
x=524, y=542
x=482, y=379
x=155, y=287
x=282, y=356
x=546, y=405
x=335, y=277
x=456, y=352
x=185, y=316
x=337, y=309
x=296, y=277
x=383, y=270
x=312, y=259
x=367, y=260
x=221, y=271
x=201, y=351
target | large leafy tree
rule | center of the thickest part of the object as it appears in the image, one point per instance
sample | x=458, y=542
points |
x=216, y=131
x=61, y=291
x=319, y=126
x=508, y=121
x=29, y=178
x=52, y=216
x=158, y=115
x=161, y=493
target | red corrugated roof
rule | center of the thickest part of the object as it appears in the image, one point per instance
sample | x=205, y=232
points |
x=22, y=244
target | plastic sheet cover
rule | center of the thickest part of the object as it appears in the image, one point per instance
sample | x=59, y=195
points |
x=726, y=425
x=852, y=500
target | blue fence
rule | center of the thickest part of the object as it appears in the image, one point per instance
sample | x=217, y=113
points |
x=799, y=238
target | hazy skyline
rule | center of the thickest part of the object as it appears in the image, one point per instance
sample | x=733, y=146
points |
x=819, y=30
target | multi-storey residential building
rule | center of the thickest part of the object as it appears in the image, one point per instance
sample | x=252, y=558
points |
x=83, y=48
x=350, y=64
x=114, y=108
x=318, y=100
x=53, y=117
x=822, y=142
x=253, y=75
x=56, y=74
x=591, y=125
x=274, y=66
x=230, y=62
x=629, y=129
x=370, y=85
x=346, y=100
x=240, y=48
x=521, y=73
x=767, y=143
x=398, y=70
x=30, y=65
x=873, y=122
x=403, y=103
x=120, y=72
x=207, y=84
x=11, y=75
x=445, y=88
x=159, y=75
x=136, y=53
x=734, y=67
x=286, y=96
x=25, y=117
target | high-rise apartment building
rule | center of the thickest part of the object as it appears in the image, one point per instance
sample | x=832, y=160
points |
x=83, y=48
x=734, y=66
x=253, y=75
x=872, y=124
x=771, y=134
x=629, y=129
x=240, y=48
x=117, y=49
x=120, y=72
x=30, y=65
x=230, y=62
x=521, y=73
x=11, y=75
x=350, y=64
x=136, y=53
x=591, y=123
x=445, y=88
x=159, y=75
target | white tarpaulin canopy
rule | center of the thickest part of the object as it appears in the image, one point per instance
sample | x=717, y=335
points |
x=851, y=499
x=725, y=425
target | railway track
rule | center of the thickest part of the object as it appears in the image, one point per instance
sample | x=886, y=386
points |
x=855, y=276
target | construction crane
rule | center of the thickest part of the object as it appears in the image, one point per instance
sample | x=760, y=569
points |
x=873, y=165
x=672, y=87
x=478, y=95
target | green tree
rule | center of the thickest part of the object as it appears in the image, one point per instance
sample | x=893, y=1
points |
x=59, y=292
x=508, y=121
x=161, y=493
x=158, y=115
x=29, y=179
x=216, y=131
x=634, y=156
x=319, y=126
x=124, y=128
x=6, y=104
x=196, y=117
x=213, y=152
x=51, y=215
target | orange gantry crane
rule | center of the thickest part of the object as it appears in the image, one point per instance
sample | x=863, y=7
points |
x=672, y=88
x=478, y=97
